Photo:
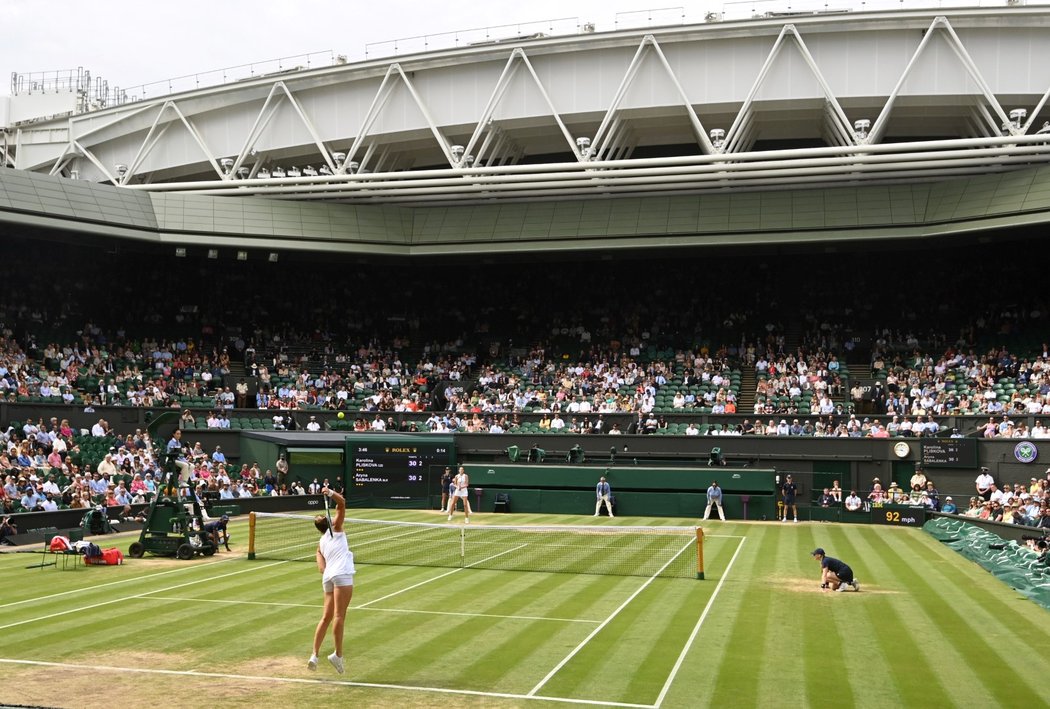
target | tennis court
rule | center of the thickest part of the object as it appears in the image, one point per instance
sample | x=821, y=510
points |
x=756, y=632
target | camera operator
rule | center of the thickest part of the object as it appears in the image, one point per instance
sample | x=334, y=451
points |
x=7, y=529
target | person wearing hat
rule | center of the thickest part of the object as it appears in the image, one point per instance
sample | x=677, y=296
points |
x=216, y=530
x=789, y=492
x=985, y=482
x=834, y=574
x=949, y=506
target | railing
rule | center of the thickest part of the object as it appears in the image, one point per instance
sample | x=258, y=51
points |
x=233, y=74
x=98, y=94
x=497, y=34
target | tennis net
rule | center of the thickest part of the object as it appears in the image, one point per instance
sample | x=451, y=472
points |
x=603, y=550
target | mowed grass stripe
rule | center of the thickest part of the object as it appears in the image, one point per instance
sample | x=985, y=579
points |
x=824, y=658
x=49, y=586
x=736, y=635
x=600, y=669
x=908, y=674
x=644, y=635
x=862, y=646
x=103, y=598
x=671, y=632
x=1022, y=622
x=962, y=684
x=939, y=603
x=509, y=658
x=428, y=649
x=783, y=683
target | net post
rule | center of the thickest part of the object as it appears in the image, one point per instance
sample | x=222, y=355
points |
x=700, y=553
x=251, y=535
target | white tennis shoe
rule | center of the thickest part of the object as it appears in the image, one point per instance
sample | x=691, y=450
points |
x=311, y=664
x=337, y=662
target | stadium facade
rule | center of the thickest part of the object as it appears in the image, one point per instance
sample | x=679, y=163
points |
x=813, y=127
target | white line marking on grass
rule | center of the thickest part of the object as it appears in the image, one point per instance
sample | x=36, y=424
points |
x=144, y=594
x=372, y=610
x=238, y=602
x=696, y=628
x=199, y=565
x=439, y=576
x=115, y=583
x=323, y=682
x=479, y=615
x=565, y=660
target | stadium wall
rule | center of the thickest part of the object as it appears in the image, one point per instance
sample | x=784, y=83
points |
x=813, y=462
x=737, y=217
x=658, y=492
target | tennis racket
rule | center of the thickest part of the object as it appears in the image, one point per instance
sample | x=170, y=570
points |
x=328, y=514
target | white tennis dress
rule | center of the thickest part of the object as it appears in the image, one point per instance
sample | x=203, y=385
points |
x=462, y=481
x=338, y=559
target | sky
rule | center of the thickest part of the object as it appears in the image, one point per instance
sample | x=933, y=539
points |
x=134, y=42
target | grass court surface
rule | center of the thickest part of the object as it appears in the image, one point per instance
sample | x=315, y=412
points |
x=927, y=628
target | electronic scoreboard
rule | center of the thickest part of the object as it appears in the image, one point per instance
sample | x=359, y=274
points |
x=396, y=469
x=949, y=453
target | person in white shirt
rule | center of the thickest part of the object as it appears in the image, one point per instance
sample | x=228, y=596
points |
x=99, y=429
x=336, y=564
x=996, y=495
x=852, y=502
x=459, y=491
x=313, y=425
x=985, y=483
x=692, y=430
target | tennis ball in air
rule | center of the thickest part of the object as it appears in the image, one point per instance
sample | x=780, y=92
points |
x=341, y=415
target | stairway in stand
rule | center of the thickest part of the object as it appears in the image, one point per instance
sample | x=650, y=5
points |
x=745, y=402
x=792, y=338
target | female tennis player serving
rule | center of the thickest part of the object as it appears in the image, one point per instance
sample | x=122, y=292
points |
x=336, y=563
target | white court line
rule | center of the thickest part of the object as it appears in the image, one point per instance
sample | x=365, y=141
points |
x=605, y=622
x=322, y=682
x=440, y=576
x=199, y=565
x=313, y=547
x=373, y=610
x=696, y=628
x=117, y=583
x=144, y=594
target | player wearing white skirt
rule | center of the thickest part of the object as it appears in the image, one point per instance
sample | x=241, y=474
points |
x=336, y=563
x=461, y=483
